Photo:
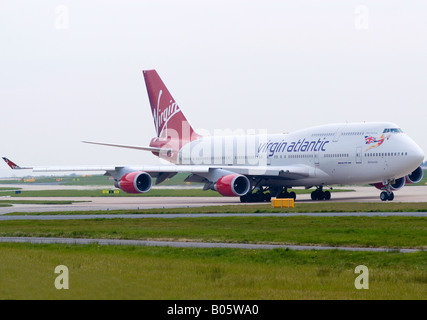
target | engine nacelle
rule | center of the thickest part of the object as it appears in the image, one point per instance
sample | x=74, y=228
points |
x=415, y=176
x=135, y=182
x=233, y=185
x=398, y=184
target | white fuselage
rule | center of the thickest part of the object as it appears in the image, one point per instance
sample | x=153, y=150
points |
x=352, y=153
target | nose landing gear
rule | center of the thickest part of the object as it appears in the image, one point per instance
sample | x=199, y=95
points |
x=384, y=196
x=387, y=194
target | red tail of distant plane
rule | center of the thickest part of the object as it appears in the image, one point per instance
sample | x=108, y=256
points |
x=11, y=164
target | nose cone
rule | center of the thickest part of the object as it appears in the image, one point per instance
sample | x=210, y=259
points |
x=420, y=156
x=416, y=154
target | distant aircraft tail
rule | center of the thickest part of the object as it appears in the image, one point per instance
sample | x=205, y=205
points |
x=13, y=165
x=169, y=121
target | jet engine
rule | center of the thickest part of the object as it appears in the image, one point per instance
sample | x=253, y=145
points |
x=135, y=182
x=232, y=185
x=415, y=176
x=398, y=183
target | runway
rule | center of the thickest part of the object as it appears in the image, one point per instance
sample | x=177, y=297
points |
x=361, y=194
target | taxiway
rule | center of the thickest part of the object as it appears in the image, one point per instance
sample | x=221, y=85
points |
x=361, y=194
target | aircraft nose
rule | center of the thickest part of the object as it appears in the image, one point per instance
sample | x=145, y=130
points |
x=417, y=154
x=420, y=155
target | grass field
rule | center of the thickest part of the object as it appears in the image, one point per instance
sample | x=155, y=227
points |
x=128, y=272
x=159, y=273
x=392, y=232
x=262, y=208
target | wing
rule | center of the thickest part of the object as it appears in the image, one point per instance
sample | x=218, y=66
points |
x=286, y=172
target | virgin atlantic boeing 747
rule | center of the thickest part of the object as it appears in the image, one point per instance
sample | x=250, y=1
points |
x=258, y=167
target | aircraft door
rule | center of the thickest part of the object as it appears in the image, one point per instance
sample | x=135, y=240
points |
x=359, y=155
x=316, y=158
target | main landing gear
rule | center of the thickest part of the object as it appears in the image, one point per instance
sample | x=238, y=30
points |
x=387, y=194
x=319, y=194
x=259, y=196
x=265, y=194
x=284, y=194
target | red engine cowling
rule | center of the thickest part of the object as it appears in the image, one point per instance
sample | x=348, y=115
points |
x=135, y=182
x=398, y=183
x=415, y=176
x=233, y=185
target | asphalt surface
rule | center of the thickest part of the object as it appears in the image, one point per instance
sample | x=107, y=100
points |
x=361, y=194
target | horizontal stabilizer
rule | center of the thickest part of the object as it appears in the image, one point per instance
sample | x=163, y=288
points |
x=152, y=149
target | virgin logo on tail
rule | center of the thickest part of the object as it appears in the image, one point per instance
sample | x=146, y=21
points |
x=169, y=121
x=161, y=118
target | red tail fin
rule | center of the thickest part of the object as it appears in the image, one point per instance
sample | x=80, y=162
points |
x=11, y=164
x=169, y=121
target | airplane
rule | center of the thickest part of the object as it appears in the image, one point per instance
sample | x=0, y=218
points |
x=257, y=167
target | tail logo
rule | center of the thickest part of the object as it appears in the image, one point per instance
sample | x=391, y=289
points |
x=161, y=117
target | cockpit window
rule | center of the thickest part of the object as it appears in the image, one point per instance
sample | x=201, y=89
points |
x=392, y=130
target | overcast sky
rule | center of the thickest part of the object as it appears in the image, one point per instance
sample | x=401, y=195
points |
x=72, y=70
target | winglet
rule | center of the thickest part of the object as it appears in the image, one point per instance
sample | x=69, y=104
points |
x=11, y=164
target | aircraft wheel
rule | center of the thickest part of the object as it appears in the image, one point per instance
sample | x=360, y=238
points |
x=390, y=196
x=314, y=195
x=244, y=198
x=327, y=195
x=292, y=195
x=259, y=197
x=384, y=196
x=283, y=195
